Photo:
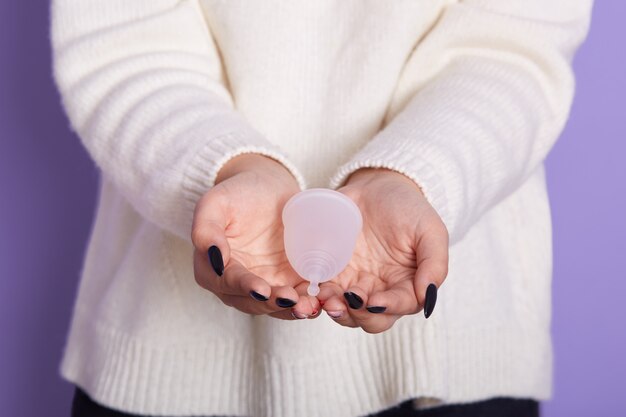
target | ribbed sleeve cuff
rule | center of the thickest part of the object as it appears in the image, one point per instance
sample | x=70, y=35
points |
x=201, y=173
x=379, y=155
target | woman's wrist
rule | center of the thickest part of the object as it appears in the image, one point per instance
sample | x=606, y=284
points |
x=251, y=162
x=366, y=175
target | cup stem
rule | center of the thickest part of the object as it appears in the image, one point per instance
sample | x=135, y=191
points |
x=313, y=289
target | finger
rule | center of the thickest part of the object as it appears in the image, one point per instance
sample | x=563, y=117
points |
x=255, y=305
x=400, y=300
x=316, y=307
x=308, y=306
x=357, y=295
x=251, y=305
x=377, y=323
x=236, y=280
x=302, y=310
x=337, y=309
x=284, y=297
x=331, y=300
x=284, y=315
x=294, y=303
x=244, y=304
x=205, y=276
x=432, y=267
x=327, y=290
x=210, y=220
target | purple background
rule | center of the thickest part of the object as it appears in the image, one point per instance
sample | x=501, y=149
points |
x=47, y=199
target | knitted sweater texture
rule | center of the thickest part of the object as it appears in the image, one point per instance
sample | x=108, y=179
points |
x=464, y=97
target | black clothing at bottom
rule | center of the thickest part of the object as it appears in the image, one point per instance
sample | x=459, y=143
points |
x=84, y=406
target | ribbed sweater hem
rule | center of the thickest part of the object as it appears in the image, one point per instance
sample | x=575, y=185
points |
x=188, y=379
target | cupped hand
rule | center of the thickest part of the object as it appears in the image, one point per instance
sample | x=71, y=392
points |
x=238, y=238
x=400, y=255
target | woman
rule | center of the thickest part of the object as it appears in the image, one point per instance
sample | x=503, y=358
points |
x=206, y=116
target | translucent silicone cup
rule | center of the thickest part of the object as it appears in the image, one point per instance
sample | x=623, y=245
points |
x=320, y=231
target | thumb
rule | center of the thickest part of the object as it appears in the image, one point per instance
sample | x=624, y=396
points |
x=208, y=232
x=432, y=268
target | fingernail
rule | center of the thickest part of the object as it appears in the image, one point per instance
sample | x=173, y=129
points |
x=335, y=314
x=376, y=309
x=257, y=296
x=354, y=301
x=431, y=299
x=314, y=313
x=297, y=315
x=285, y=302
x=216, y=259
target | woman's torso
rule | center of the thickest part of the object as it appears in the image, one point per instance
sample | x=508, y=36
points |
x=154, y=334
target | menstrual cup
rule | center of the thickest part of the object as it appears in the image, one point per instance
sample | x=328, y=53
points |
x=321, y=227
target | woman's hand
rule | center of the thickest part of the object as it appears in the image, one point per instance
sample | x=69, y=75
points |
x=238, y=238
x=401, y=251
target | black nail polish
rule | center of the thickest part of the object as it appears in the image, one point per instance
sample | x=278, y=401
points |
x=354, y=301
x=285, y=302
x=376, y=309
x=216, y=260
x=257, y=296
x=431, y=299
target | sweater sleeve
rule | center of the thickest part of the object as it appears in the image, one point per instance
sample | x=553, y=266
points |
x=480, y=102
x=143, y=87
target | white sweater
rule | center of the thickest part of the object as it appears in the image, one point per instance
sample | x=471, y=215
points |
x=464, y=97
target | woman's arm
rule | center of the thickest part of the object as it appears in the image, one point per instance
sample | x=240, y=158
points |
x=143, y=86
x=480, y=103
